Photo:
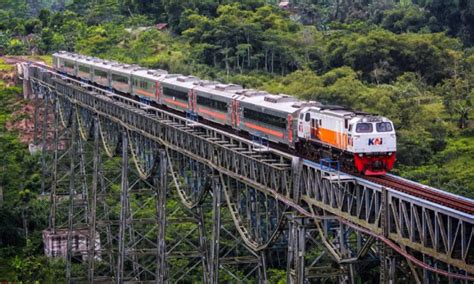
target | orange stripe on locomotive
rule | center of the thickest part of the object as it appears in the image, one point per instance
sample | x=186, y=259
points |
x=331, y=137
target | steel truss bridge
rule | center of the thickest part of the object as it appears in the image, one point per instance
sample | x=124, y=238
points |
x=140, y=194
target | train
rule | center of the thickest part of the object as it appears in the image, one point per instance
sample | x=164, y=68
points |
x=362, y=142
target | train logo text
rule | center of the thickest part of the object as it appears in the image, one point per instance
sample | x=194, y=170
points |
x=375, y=141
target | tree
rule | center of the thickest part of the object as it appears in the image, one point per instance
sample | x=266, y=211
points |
x=458, y=98
x=405, y=19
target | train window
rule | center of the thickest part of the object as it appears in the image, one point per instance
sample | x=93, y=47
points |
x=69, y=65
x=100, y=73
x=119, y=78
x=266, y=118
x=314, y=123
x=364, y=128
x=350, y=128
x=320, y=122
x=175, y=93
x=346, y=123
x=308, y=117
x=301, y=116
x=84, y=69
x=222, y=106
x=384, y=127
x=143, y=84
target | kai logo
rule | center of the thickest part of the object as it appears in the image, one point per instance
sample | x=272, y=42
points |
x=375, y=141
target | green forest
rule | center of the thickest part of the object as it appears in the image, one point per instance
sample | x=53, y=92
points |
x=409, y=60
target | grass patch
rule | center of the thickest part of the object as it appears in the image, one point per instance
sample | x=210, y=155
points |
x=5, y=67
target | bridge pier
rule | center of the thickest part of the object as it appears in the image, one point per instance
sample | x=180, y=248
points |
x=93, y=203
x=123, y=210
x=296, y=265
x=161, y=187
x=213, y=260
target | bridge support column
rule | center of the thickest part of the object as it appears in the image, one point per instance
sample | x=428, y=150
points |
x=54, y=171
x=296, y=250
x=72, y=189
x=387, y=265
x=262, y=269
x=216, y=228
x=93, y=203
x=387, y=259
x=123, y=209
x=161, y=183
x=44, y=128
x=203, y=245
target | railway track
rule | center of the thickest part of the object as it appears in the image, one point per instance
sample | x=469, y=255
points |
x=424, y=192
x=393, y=182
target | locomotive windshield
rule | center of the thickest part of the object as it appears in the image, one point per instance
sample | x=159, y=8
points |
x=364, y=128
x=384, y=127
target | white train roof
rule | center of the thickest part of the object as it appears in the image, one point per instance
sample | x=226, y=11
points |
x=85, y=60
x=124, y=68
x=180, y=80
x=228, y=91
x=333, y=110
x=151, y=74
x=280, y=103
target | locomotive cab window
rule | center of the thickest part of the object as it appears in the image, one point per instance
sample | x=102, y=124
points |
x=308, y=117
x=384, y=127
x=364, y=128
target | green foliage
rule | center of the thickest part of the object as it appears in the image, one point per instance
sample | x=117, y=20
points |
x=29, y=267
x=277, y=276
x=239, y=39
x=456, y=164
x=381, y=56
x=5, y=67
x=405, y=19
x=16, y=47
